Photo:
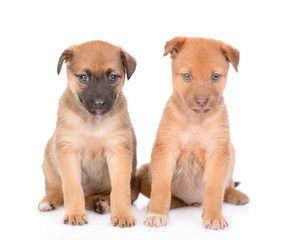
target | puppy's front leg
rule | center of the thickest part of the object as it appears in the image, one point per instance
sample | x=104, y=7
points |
x=73, y=192
x=120, y=167
x=162, y=165
x=216, y=171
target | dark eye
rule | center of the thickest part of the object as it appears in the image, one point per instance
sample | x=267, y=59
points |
x=187, y=77
x=83, y=78
x=215, y=77
x=113, y=78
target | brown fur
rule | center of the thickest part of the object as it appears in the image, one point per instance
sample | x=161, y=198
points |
x=193, y=158
x=92, y=154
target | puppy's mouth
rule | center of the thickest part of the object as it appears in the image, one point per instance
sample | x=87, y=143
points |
x=201, y=110
x=97, y=112
x=94, y=111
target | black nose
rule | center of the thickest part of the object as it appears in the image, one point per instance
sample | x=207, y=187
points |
x=99, y=103
x=201, y=102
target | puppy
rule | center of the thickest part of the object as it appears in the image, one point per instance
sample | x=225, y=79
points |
x=93, y=148
x=192, y=157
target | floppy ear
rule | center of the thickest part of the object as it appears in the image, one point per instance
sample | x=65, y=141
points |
x=232, y=55
x=129, y=63
x=173, y=46
x=66, y=56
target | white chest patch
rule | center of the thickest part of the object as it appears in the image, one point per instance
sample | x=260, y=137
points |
x=187, y=182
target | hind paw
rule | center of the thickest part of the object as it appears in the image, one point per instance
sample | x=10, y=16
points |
x=236, y=197
x=101, y=206
x=45, y=206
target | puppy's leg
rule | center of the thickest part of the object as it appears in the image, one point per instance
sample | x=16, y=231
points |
x=144, y=175
x=162, y=165
x=135, y=182
x=54, y=195
x=53, y=187
x=120, y=166
x=215, y=175
x=73, y=192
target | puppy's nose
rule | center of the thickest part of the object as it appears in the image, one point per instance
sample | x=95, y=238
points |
x=99, y=103
x=201, y=102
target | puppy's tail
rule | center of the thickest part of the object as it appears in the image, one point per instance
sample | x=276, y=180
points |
x=236, y=184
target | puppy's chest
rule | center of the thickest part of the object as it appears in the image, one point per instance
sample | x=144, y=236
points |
x=94, y=170
x=187, y=182
x=90, y=148
x=195, y=148
x=195, y=144
x=95, y=175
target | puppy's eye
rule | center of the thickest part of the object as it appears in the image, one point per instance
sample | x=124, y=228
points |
x=83, y=78
x=113, y=78
x=215, y=77
x=187, y=76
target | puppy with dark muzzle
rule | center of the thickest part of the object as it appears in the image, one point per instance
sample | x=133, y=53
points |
x=90, y=161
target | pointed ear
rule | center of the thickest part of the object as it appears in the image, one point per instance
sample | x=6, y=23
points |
x=66, y=56
x=128, y=62
x=231, y=54
x=174, y=46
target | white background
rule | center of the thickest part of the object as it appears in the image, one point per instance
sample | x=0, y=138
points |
x=34, y=34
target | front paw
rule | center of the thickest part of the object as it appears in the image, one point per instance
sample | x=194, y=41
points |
x=155, y=220
x=75, y=219
x=214, y=221
x=123, y=220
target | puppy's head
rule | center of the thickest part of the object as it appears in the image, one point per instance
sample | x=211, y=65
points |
x=96, y=72
x=199, y=68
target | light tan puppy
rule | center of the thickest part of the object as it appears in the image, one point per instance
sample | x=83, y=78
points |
x=93, y=148
x=193, y=158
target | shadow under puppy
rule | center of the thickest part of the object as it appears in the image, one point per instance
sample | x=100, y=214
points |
x=192, y=158
x=93, y=148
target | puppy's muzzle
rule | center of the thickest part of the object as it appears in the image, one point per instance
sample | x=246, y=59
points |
x=201, y=105
x=99, y=103
x=99, y=106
